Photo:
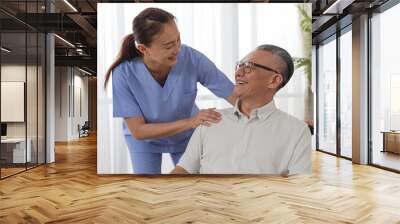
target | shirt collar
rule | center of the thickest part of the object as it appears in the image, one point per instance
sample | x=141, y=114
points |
x=236, y=110
x=261, y=112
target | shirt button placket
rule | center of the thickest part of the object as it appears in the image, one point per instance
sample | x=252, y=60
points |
x=243, y=143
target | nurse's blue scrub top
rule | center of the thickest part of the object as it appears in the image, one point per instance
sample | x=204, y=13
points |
x=137, y=93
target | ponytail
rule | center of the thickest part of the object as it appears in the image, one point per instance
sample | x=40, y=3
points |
x=128, y=52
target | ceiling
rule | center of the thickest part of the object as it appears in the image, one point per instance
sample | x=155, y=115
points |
x=75, y=43
x=328, y=16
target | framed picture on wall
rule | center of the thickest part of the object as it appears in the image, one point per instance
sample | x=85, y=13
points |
x=12, y=101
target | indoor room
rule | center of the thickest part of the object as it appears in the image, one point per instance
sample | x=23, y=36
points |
x=73, y=152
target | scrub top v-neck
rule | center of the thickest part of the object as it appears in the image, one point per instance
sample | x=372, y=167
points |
x=136, y=93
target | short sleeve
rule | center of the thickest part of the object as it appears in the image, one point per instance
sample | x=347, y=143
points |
x=124, y=101
x=300, y=163
x=190, y=160
x=211, y=77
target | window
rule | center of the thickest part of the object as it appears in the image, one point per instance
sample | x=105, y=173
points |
x=385, y=89
x=22, y=68
x=327, y=96
x=346, y=93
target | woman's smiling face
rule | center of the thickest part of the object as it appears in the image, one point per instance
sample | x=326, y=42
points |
x=165, y=46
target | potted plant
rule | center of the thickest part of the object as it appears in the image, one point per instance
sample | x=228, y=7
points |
x=305, y=62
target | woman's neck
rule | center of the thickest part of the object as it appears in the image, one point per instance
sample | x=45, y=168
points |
x=159, y=72
x=156, y=69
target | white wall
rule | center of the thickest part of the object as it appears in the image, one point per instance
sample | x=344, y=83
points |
x=33, y=126
x=12, y=73
x=70, y=83
x=61, y=103
x=82, y=83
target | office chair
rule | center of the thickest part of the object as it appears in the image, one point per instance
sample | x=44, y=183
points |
x=84, y=130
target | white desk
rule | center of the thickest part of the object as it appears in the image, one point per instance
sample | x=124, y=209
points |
x=18, y=149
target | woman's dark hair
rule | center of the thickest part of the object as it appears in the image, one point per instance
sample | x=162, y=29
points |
x=145, y=26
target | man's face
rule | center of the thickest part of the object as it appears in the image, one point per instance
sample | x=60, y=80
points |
x=252, y=80
x=165, y=46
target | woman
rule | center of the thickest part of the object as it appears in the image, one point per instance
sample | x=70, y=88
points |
x=154, y=89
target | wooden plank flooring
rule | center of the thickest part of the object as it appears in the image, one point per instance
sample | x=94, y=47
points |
x=10, y=171
x=70, y=191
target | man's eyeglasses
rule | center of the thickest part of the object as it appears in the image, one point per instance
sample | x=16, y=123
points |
x=248, y=66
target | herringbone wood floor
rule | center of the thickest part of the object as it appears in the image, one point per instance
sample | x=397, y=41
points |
x=70, y=191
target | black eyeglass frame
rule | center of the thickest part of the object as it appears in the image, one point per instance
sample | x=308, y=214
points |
x=249, y=64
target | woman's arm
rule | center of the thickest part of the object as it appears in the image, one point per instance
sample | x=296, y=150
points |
x=213, y=78
x=231, y=99
x=142, y=130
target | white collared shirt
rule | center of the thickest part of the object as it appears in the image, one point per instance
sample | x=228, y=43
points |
x=269, y=142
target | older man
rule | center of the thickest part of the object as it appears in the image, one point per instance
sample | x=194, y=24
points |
x=254, y=137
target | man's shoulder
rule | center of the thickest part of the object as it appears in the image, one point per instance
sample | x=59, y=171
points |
x=227, y=113
x=290, y=120
x=226, y=110
x=227, y=116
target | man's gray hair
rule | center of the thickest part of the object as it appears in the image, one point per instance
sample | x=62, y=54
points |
x=285, y=56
